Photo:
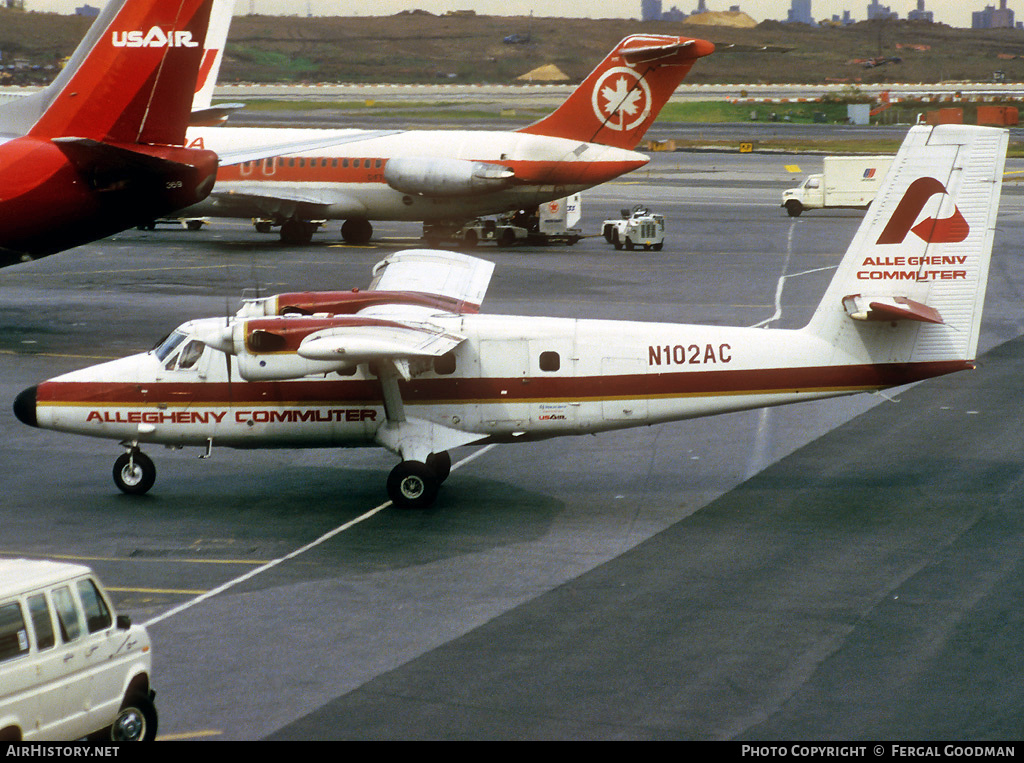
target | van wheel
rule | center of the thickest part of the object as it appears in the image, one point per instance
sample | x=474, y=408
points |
x=134, y=473
x=136, y=721
x=794, y=208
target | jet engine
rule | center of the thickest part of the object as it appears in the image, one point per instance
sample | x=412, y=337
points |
x=429, y=176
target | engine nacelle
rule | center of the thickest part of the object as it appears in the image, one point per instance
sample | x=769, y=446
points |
x=267, y=349
x=429, y=176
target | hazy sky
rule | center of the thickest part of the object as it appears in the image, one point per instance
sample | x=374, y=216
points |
x=952, y=12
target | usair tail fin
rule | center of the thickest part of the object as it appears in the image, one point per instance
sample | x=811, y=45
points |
x=620, y=99
x=131, y=80
x=911, y=286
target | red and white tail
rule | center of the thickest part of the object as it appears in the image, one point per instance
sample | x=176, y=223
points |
x=618, y=101
x=131, y=79
x=213, y=54
x=911, y=286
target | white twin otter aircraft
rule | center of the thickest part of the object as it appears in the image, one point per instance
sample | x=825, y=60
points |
x=409, y=364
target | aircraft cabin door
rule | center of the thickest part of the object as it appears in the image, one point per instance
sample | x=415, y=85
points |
x=620, y=377
x=504, y=373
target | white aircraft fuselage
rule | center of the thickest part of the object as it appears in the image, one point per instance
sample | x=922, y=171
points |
x=363, y=178
x=513, y=377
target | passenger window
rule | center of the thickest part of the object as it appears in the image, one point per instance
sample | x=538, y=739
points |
x=355, y=163
x=192, y=352
x=550, y=361
x=42, y=622
x=97, y=613
x=67, y=614
x=13, y=634
x=445, y=364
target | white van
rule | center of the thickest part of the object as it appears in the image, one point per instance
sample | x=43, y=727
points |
x=69, y=666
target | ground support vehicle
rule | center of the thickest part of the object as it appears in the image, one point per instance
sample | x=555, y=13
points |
x=636, y=227
x=70, y=666
x=849, y=182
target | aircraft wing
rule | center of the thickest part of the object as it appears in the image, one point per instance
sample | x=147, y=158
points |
x=284, y=202
x=451, y=275
x=263, y=151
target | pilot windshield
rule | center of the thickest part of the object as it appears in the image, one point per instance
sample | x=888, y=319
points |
x=166, y=347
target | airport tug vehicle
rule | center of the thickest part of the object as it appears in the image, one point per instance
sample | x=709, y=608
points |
x=410, y=364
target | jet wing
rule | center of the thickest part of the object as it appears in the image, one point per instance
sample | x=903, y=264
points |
x=451, y=275
x=263, y=151
x=285, y=201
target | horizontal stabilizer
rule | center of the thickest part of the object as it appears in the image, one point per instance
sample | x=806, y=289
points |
x=92, y=156
x=662, y=54
x=862, y=308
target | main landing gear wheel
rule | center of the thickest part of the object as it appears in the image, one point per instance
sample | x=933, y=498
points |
x=440, y=464
x=134, y=473
x=413, y=485
x=356, y=231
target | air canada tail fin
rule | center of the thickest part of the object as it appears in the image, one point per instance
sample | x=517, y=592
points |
x=131, y=79
x=620, y=99
x=911, y=286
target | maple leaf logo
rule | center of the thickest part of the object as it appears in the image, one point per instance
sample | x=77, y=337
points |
x=621, y=99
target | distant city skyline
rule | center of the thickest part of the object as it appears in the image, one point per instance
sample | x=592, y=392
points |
x=951, y=12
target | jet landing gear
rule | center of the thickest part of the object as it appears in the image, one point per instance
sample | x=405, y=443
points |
x=414, y=484
x=134, y=472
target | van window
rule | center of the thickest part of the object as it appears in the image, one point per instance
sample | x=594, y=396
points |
x=97, y=613
x=67, y=615
x=42, y=623
x=13, y=634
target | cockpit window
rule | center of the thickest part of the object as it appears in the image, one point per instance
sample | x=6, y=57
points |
x=166, y=347
x=192, y=352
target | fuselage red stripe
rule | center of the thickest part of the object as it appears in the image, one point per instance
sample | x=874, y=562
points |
x=502, y=390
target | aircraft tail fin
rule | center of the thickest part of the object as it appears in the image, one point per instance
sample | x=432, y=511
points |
x=620, y=99
x=911, y=286
x=213, y=54
x=131, y=79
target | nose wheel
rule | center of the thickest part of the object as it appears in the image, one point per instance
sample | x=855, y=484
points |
x=134, y=472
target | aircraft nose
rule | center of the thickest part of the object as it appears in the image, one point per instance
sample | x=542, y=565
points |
x=25, y=407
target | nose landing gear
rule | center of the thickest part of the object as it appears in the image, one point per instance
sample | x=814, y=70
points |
x=134, y=472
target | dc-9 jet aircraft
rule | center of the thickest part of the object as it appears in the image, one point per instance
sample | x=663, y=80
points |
x=411, y=365
x=444, y=177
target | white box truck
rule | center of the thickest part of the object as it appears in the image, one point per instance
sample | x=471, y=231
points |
x=845, y=181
